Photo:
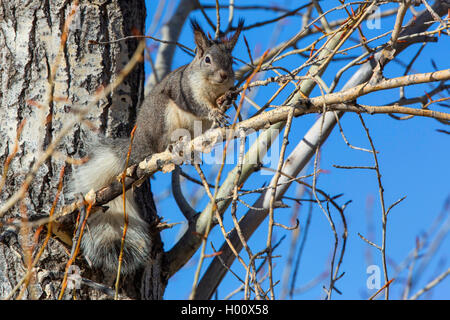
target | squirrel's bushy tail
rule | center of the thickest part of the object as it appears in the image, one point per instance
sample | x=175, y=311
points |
x=102, y=240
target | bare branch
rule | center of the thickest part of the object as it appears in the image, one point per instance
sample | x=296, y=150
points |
x=188, y=212
x=170, y=32
x=303, y=152
x=431, y=284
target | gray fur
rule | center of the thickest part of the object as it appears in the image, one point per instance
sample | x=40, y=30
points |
x=186, y=95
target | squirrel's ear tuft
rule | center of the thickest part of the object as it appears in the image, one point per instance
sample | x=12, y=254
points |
x=201, y=40
x=232, y=41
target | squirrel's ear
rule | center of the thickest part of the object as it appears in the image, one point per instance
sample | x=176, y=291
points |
x=201, y=40
x=232, y=42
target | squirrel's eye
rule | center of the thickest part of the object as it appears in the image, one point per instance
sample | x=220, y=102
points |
x=207, y=59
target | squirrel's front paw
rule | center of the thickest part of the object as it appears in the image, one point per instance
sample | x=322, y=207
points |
x=218, y=117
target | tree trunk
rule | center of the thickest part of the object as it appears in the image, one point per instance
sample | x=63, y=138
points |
x=37, y=108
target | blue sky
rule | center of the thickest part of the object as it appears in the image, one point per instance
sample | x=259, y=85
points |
x=413, y=157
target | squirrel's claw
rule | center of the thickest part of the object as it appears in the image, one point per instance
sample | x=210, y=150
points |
x=218, y=117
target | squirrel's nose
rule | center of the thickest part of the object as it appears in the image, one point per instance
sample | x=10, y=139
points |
x=223, y=75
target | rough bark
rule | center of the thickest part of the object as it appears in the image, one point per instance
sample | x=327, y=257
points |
x=30, y=37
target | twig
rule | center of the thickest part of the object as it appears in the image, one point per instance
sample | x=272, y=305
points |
x=385, y=287
x=274, y=183
x=394, y=204
x=354, y=167
x=125, y=216
x=200, y=6
x=183, y=47
x=383, y=210
x=300, y=251
x=343, y=136
x=47, y=238
x=369, y=242
x=217, y=35
x=250, y=268
x=12, y=154
x=431, y=284
x=84, y=213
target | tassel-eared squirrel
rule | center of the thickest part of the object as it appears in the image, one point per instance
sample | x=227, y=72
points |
x=184, y=96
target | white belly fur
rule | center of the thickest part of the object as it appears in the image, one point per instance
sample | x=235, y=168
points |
x=182, y=123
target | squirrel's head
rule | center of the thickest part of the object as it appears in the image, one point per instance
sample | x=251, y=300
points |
x=213, y=58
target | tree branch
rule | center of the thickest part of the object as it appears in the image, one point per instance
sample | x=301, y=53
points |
x=300, y=157
x=170, y=33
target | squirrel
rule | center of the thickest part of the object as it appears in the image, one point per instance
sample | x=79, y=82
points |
x=186, y=95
